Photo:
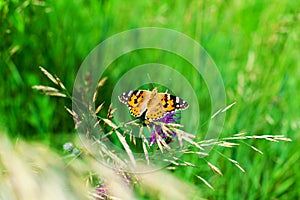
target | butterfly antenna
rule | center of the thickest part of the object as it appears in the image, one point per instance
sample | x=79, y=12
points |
x=151, y=82
x=153, y=86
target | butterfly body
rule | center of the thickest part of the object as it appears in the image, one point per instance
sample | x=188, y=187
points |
x=151, y=105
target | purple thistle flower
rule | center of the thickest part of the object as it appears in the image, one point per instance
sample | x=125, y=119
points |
x=169, y=118
x=101, y=192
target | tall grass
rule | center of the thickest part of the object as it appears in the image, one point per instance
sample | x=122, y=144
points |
x=33, y=171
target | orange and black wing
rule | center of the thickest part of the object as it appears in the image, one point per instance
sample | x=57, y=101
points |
x=136, y=100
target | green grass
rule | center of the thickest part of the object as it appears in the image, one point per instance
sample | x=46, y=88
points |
x=255, y=45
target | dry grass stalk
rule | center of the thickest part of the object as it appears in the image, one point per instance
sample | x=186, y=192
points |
x=227, y=144
x=239, y=134
x=101, y=82
x=158, y=141
x=146, y=153
x=180, y=139
x=55, y=94
x=126, y=147
x=236, y=163
x=131, y=137
x=60, y=83
x=200, y=153
x=97, y=124
x=50, y=91
x=215, y=169
x=111, y=111
x=228, y=107
x=110, y=123
x=172, y=162
x=215, y=114
x=273, y=138
x=163, y=142
x=188, y=164
x=45, y=88
x=48, y=75
x=185, y=136
x=222, y=110
x=71, y=112
x=111, y=156
x=99, y=108
x=205, y=182
x=256, y=149
x=179, y=162
x=95, y=95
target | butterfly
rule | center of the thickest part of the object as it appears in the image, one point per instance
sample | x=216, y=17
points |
x=151, y=105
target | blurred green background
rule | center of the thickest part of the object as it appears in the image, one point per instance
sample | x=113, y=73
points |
x=255, y=45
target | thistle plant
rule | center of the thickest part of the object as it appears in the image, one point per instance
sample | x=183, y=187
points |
x=167, y=136
x=166, y=141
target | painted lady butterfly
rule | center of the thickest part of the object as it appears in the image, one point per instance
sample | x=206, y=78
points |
x=151, y=105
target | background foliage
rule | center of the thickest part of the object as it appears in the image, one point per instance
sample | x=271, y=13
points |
x=255, y=45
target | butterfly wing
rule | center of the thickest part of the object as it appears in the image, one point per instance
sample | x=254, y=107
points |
x=155, y=108
x=172, y=103
x=164, y=103
x=136, y=100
